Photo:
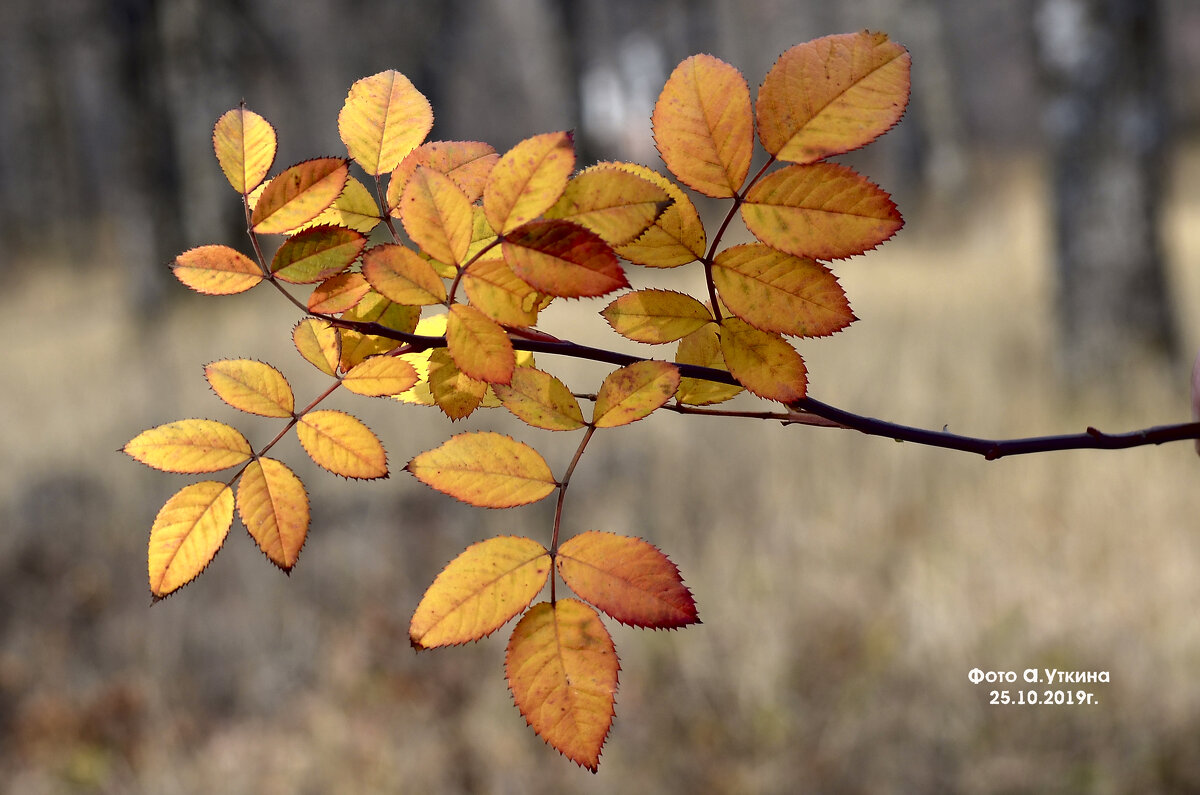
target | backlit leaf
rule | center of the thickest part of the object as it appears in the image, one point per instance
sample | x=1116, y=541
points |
x=432, y=326
x=319, y=344
x=374, y=308
x=541, y=400
x=338, y=293
x=497, y=292
x=453, y=391
x=436, y=215
x=656, y=316
x=832, y=95
x=379, y=376
x=528, y=179
x=634, y=391
x=485, y=469
x=273, y=506
x=190, y=446
x=703, y=126
x=217, y=270
x=562, y=668
x=251, y=386
x=676, y=237
x=299, y=194
x=354, y=208
x=480, y=348
x=774, y=291
x=480, y=591
x=342, y=444
x=763, y=362
x=383, y=119
x=615, y=203
x=317, y=253
x=628, y=578
x=822, y=210
x=401, y=274
x=703, y=348
x=562, y=259
x=244, y=143
x=188, y=531
x=466, y=163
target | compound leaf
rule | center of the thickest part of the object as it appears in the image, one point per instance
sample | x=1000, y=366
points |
x=485, y=469
x=466, y=163
x=628, y=578
x=216, y=270
x=401, y=274
x=615, y=203
x=342, y=444
x=656, y=316
x=317, y=253
x=703, y=126
x=634, y=391
x=480, y=348
x=437, y=215
x=318, y=342
x=354, y=208
x=188, y=531
x=480, y=591
x=244, y=144
x=338, y=293
x=299, y=194
x=703, y=348
x=251, y=386
x=832, y=95
x=562, y=668
x=273, y=506
x=383, y=119
x=541, y=400
x=189, y=447
x=763, y=362
x=374, y=308
x=563, y=259
x=527, y=180
x=677, y=235
x=380, y=376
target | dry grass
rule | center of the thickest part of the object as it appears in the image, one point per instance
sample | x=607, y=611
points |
x=847, y=584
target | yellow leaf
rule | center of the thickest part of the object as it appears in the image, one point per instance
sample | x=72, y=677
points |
x=453, y=391
x=187, y=533
x=338, y=293
x=497, y=292
x=676, y=237
x=703, y=126
x=562, y=668
x=615, y=203
x=342, y=444
x=703, y=349
x=823, y=211
x=480, y=591
x=656, y=316
x=379, y=376
x=383, y=119
x=217, y=270
x=485, y=469
x=354, y=209
x=480, y=348
x=189, y=446
x=832, y=95
x=299, y=194
x=401, y=274
x=374, y=308
x=273, y=506
x=436, y=215
x=541, y=400
x=628, y=578
x=563, y=259
x=316, y=254
x=319, y=344
x=432, y=326
x=763, y=362
x=244, y=144
x=774, y=291
x=251, y=386
x=527, y=180
x=634, y=391
x=466, y=163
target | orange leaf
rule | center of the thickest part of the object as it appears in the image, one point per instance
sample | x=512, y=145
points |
x=342, y=444
x=656, y=316
x=703, y=348
x=615, y=203
x=832, y=95
x=480, y=348
x=480, y=591
x=527, y=180
x=634, y=391
x=338, y=293
x=763, y=362
x=374, y=308
x=703, y=126
x=628, y=578
x=317, y=253
x=497, y=292
x=354, y=208
x=188, y=531
x=401, y=274
x=319, y=344
x=466, y=163
x=823, y=211
x=562, y=259
x=485, y=469
x=541, y=400
x=244, y=144
x=251, y=386
x=676, y=237
x=774, y=291
x=436, y=215
x=217, y=270
x=299, y=194
x=189, y=446
x=562, y=668
x=379, y=376
x=453, y=391
x=273, y=506
x=383, y=119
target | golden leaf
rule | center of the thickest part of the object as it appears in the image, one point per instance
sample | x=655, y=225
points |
x=188, y=531
x=485, y=469
x=527, y=180
x=251, y=386
x=383, y=119
x=342, y=444
x=190, y=447
x=216, y=270
x=273, y=506
x=634, y=391
x=244, y=144
x=299, y=194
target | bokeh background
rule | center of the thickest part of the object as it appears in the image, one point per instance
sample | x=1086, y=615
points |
x=847, y=584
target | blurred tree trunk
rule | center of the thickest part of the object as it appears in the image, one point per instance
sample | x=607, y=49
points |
x=1103, y=67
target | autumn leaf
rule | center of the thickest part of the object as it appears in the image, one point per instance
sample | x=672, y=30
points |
x=480, y=591
x=374, y=308
x=634, y=391
x=273, y=506
x=251, y=386
x=453, y=391
x=401, y=274
x=338, y=293
x=216, y=270
x=318, y=342
x=615, y=203
x=703, y=126
x=380, y=376
x=832, y=95
x=354, y=208
x=342, y=444
x=432, y=326
x=541, y=400
x=383, y=119
x=562, y=668
x=677, y=235
x=703, y=348
x=188, y=531
x=823, y=211
x=763, y=362
x=656, y=316
x=466, y=163
x=436, y=215
x=299, y=194
x=778, y=292
x=497, y=292
x=189, y=447
x=527, y=180
x=317, y=253
x=485, y=469
x=563, y=259
x=628, y=578
x=480, y=348
x=244, y=144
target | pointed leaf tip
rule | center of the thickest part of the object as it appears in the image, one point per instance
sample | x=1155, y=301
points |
x=383, y=119
x=485, y=469
x=188, y=531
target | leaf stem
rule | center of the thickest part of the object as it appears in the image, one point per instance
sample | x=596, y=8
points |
x=562, y=493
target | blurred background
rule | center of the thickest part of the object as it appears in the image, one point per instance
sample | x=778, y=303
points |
x=1045, y=281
